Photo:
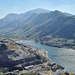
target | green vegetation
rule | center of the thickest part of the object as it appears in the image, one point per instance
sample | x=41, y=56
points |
x=63, y=74
x=59, y=42
x=14, y=39
x=66, y=74
x=71, y=74
x=29, y=74
x=3, y=74
x=22, y=74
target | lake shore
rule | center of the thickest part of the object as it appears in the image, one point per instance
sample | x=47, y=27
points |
x=44, y=44
x=24, y=41
x=54, y=57
x=44, y=50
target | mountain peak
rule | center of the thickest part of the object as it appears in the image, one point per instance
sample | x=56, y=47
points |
x=57, y=12
x=40, y=10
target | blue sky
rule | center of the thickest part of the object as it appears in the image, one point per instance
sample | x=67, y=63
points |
x=21, y=6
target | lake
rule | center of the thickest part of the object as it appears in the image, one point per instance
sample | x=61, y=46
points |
x=62, y=56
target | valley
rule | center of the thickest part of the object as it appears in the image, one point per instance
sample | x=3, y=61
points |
x=50, y=28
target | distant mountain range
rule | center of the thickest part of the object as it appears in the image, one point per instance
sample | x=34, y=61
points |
x=38, y=23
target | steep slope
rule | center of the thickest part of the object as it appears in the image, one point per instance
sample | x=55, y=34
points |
x=20, y=57
x=68, y=29
x=56, y=24
x=49, y=24
x=38, y=23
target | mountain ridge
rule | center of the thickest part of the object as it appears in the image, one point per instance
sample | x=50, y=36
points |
x=31, y=25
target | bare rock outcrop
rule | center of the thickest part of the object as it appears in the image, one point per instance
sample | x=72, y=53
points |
x=15, y=56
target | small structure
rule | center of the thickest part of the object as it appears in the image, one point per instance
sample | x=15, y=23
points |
x=28, y=67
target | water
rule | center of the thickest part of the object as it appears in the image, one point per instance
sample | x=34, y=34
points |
x=62, y=56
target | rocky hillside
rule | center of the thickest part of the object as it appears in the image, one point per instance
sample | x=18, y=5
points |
x=16, y=56
x=13, y=54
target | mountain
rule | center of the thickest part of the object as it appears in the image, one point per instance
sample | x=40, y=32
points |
x=12, y=16
x=12, y=21
x=38, y=23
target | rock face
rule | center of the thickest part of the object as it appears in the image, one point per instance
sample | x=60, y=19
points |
x=15, y=56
